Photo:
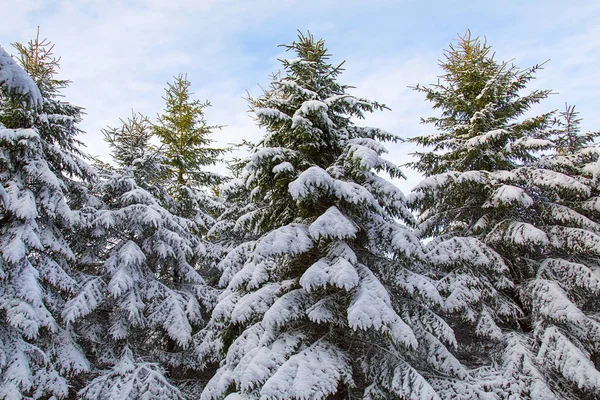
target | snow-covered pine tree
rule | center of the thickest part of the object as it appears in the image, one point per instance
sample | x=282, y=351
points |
x=321, y=298
x=41, y=176
x=134, y=318
x=511, y=237
x=185, y=135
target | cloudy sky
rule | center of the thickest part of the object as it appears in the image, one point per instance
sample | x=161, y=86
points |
x=120, y=54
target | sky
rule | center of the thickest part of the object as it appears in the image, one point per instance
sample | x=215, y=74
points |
x=119, y=55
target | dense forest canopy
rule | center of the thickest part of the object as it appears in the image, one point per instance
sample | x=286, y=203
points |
x=304, y=272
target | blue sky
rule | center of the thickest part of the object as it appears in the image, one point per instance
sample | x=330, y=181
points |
x=120, y=54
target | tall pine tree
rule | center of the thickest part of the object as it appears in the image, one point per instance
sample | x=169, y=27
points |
x=140, y=297
x=322, y=299
x=185, y=136
x=511, y=237
x=41, y=175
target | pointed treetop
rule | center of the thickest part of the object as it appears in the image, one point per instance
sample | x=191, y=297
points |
x=130, y=141
x=481, y=104
x=185, y=134
x=569, y=138
x=37, y=59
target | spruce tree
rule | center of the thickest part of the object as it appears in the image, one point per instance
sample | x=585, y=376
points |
x=322, y=298
x=135, y=318
x=42, y=172
x=512, y=241
x=130, y=141
x=185, y=136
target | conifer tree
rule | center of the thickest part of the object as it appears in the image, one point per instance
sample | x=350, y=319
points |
x=135, y=318
x=322, y=299
x=130, y=141
x=187, y=148
x=42, y=173
x=512, y=240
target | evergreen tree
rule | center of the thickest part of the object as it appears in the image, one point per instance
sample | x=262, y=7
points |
x=184, y=132
x=41, y=176
x=133, y=315
x=322, y=298
x=511, y=236
x=185, y=136
x=131, y=141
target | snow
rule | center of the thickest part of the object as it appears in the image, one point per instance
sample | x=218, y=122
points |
x=575, y=240
x=16, y=80
x=125, y=263
x=390, y=197
x=369, y=143
x=371, y=309
x=233, y=261
x=400, y=238
x=249, y=363
x=289, y=239
x=341, y=249
x=467, y=250
x=520, y=233
x=271, y=113
x=432, y=350
x=464, y=290
x=507, y=195
x=283, y=167
x=174, y=312
x=571, y=275
x=313, y=373
x=519, y=367
x=551, y=302
x=289, y=307
x=327, y=310
x=317, y=178
x=544, y=178
x=255, y=303
x=290, y=84
x=85, y=301
x=486, y=325
x=13, y=246
x=340, y=273
x=68, y=354
x=479, y=140
x=366, y=157
x=559, y=352
x=15, y=136
x=252, y=275
x=226, y=303
x=130, y=379
x=332, y=224
x=567, y=216
x=418, y=285
x=354, y=194
x=312, y=178
x=528, y=143
x=403, y=380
